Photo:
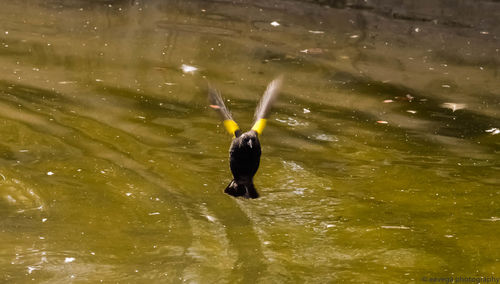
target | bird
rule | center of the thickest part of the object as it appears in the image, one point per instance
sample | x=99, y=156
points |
x=245, y=149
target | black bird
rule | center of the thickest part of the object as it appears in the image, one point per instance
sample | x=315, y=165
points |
x=245, y=151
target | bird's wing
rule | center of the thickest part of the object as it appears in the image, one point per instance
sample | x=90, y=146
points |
x=263, y=109
x=217, y=103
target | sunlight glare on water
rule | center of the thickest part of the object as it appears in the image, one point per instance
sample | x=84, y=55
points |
x=379, y=164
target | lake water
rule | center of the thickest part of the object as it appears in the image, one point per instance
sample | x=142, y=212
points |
x=380, y=160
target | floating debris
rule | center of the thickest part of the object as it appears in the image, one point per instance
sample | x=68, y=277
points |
x=31, y=269
x=382, y=122
x=316, y=32
x=445, y=86
x=68, y=82
x=154, y=213
x=354, y=36
x=313, y=50
x=69, y=259
x=453, y=106
x=299, y=190
x=49, y=173
x=484, y=32
x=493, y=131
x=492, y=219
x=210, y=218
x=388, y=101
x=395, y=227
x=306, y=110
x=188, y=69
x=275, y=24
x=412, y=111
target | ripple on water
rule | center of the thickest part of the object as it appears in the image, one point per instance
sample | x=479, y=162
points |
x=296, y=205
x=19, y=196
x=166, y=25
x=211, y=252
x=325, y=137
x=292, y=122
x=408, y=258
x=39, y=264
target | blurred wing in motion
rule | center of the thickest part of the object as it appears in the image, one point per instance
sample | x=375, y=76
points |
x=217, y=103
x=264, y=108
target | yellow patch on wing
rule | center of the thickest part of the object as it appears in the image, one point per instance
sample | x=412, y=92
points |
x=259, y=125
x=231, y=126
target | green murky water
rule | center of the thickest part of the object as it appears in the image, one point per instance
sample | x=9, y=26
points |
x=380, y=162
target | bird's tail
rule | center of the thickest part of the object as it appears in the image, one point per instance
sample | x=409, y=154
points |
x=244, y=189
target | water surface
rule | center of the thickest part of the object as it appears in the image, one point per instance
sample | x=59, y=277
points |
x=380, y=161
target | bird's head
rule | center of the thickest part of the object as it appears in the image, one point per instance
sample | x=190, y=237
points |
x=248, y=139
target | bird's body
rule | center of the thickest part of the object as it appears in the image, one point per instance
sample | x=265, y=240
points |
x=244, y=160
x=245, y=150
